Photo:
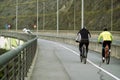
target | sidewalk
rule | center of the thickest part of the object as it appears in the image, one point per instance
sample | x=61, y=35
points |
x=47, y=65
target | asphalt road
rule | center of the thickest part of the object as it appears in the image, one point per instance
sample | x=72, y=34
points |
x=58, y=61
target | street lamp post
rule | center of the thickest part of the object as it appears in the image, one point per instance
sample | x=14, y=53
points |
x=57, y=17
x=82, y=14
x=16, y=14
x=37, y=17
x=43, y=15
x=111, y=14
x=74, y=16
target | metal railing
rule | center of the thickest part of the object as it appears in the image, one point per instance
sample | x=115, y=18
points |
x=15, y=63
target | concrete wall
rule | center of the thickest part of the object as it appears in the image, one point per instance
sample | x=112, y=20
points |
x=115, y=49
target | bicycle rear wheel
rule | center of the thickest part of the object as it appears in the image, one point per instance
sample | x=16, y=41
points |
x=81, y=55
x=107, y=54
x=108, y=59
x=84, y=54
x=85, y=60
x=81, y=58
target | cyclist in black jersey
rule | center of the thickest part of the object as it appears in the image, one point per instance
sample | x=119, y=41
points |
x=85, y=35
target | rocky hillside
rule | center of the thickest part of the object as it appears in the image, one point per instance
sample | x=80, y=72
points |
x=97, y=13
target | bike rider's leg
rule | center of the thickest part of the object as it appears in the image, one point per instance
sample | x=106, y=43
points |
x=87, y=44
x=109, y=45
x=80, y=47
x=103, y=50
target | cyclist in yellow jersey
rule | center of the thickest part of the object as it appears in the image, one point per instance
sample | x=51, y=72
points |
x=106, y=38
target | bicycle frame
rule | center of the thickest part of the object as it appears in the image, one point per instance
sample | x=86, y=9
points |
x=107, y=54
x=106, y=50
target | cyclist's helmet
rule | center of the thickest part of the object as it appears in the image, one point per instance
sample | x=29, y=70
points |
x=105, y=29
x=84, y=27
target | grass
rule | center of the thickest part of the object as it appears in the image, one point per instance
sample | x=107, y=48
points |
x=2, y=51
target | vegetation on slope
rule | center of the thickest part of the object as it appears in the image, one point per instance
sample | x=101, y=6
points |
x=97, y=13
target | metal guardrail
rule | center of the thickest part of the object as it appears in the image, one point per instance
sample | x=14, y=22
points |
x=17, y=35
x=15, y=63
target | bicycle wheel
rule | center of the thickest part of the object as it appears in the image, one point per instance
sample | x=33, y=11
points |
x=107, y=54
x=81, y=55
x=84, y=60
x=84, y=54
x=108, y=59
x=81, y=58
x=103, y=60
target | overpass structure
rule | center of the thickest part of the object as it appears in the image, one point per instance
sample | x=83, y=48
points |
x=55, y=60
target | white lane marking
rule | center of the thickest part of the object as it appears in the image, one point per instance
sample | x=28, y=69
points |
x=92, y=63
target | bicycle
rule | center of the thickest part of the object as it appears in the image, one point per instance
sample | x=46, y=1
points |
x=107, y=54
x=83, y=56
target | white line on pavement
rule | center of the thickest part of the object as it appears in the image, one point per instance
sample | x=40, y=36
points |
x=92, y=63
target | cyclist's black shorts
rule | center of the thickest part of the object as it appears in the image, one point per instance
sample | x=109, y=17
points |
x=86, y=42
x=107, y=43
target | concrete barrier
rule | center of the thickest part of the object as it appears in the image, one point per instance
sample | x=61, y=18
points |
x=115, y=49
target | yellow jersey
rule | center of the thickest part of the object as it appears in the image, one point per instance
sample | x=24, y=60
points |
x=105, y=36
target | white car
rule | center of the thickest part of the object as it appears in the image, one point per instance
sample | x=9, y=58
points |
x=27, y=31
